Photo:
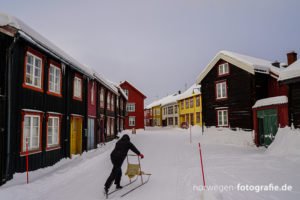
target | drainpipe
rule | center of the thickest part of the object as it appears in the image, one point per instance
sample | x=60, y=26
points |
x=9, y=93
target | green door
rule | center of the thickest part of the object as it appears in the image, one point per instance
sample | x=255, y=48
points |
x=268, y=125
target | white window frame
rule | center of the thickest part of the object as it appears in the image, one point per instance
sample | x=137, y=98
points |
x=31, y=137
x=55, y=133
x=130, y=107
x=77, y=92
x=131, y=121
x=222, y=117
x=55, y=86
x=108, y=101
x=221, y=90
x=223, y=69
x=33, y=67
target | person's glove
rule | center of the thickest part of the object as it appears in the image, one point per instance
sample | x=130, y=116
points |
x=142, y=156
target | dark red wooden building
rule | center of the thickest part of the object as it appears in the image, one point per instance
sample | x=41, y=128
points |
x=291, y=77
x=134, y=107
x=232, y=83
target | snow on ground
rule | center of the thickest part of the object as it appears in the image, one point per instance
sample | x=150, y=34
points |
x=231, y=163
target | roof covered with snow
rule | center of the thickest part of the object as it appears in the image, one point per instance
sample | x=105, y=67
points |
x=193, y=90
x=105, y=82
x=292, y=71
x=247, y=63
x=34, y=37
x=271, y=101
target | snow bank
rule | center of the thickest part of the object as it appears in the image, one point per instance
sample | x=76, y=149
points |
x=225, y=136
x=209, y=195
x=287, y=142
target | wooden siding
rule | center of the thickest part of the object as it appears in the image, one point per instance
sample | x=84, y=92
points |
x=240, y=99
x=294, y=102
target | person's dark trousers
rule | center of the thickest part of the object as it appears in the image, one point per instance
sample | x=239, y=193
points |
x=115, y=174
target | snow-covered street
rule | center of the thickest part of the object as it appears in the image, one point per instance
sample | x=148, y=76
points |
x=230, y=159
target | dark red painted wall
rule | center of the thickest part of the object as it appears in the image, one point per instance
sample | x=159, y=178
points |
x=276, y=89
x=136, y=97
x=92, y=107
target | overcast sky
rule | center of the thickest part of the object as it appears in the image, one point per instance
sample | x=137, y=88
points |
x=161, y=46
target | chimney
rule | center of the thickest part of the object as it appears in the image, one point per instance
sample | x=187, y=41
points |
x=291, y=57
x=276, y=64
x=179, y=92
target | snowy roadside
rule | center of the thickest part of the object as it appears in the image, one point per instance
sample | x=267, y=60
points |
x=230, y=159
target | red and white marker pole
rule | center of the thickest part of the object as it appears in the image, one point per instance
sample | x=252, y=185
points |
x=203, y=177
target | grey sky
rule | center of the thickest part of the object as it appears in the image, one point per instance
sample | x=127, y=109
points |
x=161, y=46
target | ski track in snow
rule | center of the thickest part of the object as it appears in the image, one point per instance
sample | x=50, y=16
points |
x=229, y=159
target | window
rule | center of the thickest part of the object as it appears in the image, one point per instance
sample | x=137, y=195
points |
x=176, y=120
x=77, y=88
x=170, y=110
x=192, y=118
x=170, y=121
x=182, y=104
x=112, y=126
x=108, y=102
x=53, y=131
x=187, y=103
x=33, y=75
x=108, y=127
x=112, y=103
x=93, y=94
x=131, y=121
x=126, y=92
x=117, y=102
x=223, y=69
x=102, y=98
x=55, y=79
x=198, y=117
x=222, y=117
x=221, y=90
x=191, y=102
x=130, y=107
x=176, y=109
x=31, y=131
x=198, y=101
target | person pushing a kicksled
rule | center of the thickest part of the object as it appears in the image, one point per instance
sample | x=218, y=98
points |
x=117, y=157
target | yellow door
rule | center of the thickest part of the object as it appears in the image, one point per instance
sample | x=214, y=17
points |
x=76, y=135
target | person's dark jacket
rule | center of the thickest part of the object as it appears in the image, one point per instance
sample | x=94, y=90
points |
x=122, y=147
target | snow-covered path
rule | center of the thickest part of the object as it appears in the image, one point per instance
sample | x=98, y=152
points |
x=229, y=160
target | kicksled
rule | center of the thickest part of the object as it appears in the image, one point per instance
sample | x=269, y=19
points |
x=133, y=172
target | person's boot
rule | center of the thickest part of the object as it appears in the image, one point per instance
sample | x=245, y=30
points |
x=119, y=186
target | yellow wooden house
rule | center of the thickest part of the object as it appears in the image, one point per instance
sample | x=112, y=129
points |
x=190, y=107
x=156, y=115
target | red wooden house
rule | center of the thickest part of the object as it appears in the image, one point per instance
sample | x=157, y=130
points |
x=134, y=107
x=232, y=84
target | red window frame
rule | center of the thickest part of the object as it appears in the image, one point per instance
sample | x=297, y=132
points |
x=225, y=74
x=74, y=97
x=101, y=102
x=40, y=114
x=58, y=146
x=51, y=62
x=216, y=90
x=42, y=57
x=217, y=115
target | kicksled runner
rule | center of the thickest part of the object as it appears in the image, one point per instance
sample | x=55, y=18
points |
x=134, y=172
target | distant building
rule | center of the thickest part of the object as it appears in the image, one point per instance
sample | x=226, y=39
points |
x=190, y=107
x=134, y=107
